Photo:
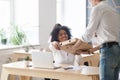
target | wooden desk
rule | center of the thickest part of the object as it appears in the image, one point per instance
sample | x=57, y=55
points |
x=18, y=68
x=15, y=57
x=19, y=54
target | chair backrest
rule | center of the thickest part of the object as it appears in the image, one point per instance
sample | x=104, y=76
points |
x=93, y=60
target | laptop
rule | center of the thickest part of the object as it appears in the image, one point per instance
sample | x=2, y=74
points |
x=43, y=60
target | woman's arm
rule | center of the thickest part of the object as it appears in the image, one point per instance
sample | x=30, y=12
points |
x=54, y=46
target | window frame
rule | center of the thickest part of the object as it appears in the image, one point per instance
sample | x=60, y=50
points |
x=12, y=21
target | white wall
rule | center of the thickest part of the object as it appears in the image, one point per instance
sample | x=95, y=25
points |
x=75, y=16
x=47, y=19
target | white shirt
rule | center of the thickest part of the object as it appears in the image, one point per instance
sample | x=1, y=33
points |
x=95, y=41
x=62, y=57
x=105, y=22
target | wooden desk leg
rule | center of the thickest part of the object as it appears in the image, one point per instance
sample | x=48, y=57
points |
x=4, y=75
x=25, y=78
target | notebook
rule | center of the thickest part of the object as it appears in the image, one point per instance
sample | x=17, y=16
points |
x=43, y=60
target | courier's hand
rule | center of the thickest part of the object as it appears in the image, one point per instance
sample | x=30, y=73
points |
x=90, y=51
x=94, y=49
x=56, y=45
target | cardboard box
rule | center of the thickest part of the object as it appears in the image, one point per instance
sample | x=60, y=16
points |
x=67, y=45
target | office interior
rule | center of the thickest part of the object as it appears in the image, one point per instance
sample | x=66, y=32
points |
x=72, y=13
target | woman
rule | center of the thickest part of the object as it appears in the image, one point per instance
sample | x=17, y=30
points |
x=62, y=33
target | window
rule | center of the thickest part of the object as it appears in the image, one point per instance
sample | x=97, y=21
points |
x=27, y=17
x=4, y=14
x=21, y=13
x=72, y=13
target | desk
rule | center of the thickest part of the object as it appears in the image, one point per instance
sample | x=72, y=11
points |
x=18, y=68
x=22, y=54
x=19, y=54
x=15, y=57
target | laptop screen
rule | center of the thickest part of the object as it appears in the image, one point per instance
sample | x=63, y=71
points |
x=42, y=59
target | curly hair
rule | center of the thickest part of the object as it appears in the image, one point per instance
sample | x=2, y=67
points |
x=55, y=32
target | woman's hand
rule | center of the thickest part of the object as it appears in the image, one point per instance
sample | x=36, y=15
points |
x=56, y=45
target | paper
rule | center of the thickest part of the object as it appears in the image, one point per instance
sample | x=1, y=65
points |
x=74, y=67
